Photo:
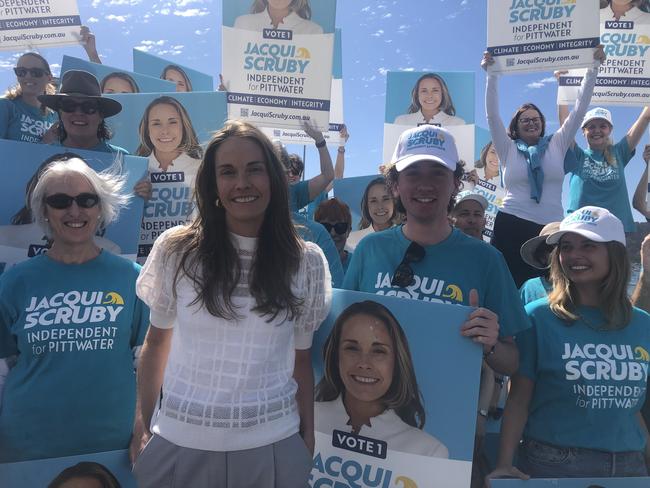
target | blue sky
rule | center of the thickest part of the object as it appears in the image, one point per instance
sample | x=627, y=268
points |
x=378, y=36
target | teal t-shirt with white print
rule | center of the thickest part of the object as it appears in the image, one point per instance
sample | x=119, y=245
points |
x=449, y=270
x=72, y=328
x=22, y=122
x=589, y=383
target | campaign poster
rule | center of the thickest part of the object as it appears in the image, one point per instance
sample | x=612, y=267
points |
x=435, y=98
x=278, y=77
x=350, y=191
x=526, y=36
x=374, y=349
x=332, y=136
x=624, y=77
x=41, y=472
x=483, y=175
x=642, y=482
x=115, y=80
x=148, y=64
x=26, y=24
x=20, y=235
x=170, y=130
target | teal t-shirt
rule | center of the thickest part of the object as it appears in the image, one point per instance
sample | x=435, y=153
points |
x=534, y=289
x=314, y=232
x=22, y=122
x=298, y=195
x=102, y=146
x=72, y=327
x=596, y=182
x=589, y=384
x=310, y=209
x=449, y=270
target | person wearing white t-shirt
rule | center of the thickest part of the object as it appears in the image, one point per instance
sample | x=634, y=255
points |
x=365, y=351
x=235, y=299
x=293, y=15
x=430, y=104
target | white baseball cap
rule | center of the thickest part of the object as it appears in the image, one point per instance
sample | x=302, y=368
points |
x=597, y=113
x=425, y=143
x=470, y=195
x=594, y=223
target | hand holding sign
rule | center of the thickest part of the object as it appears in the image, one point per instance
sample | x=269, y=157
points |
x=482, y=324
x=505, y=472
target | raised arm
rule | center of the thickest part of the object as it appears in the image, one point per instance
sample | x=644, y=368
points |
x=641, y=294
x=638, y=128
x=89, y=44
x=319, y=183
x=498, y=132
x=638, y=201
x=562, y=110
x=339, y=165
x=567, y=131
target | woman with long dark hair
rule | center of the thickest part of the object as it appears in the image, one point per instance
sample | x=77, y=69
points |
x=235, y=299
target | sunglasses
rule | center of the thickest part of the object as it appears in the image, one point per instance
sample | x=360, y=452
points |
x=404, y=275
x=89, y=107
x=35, y=72
x=62, y=201
x=339, y=227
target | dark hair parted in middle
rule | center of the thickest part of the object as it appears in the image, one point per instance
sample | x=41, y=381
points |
x=207, y=256
x=512, y=128
x=403, y=395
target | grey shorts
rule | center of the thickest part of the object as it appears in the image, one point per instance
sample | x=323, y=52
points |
x=284, y=464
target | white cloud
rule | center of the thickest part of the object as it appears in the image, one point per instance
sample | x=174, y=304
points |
x=92, y=20
x=541, y=83
x=201, y=32
x=192, y=12
x=117, y=18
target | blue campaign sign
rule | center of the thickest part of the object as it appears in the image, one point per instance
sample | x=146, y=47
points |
x=574, y=483
x=155, y=66
x=322, y=12
x=206, y=110
x=400, y=86
x=107, y=76
x=121, y=237
x=375, y=348
x=350, y=191
x=32, y=474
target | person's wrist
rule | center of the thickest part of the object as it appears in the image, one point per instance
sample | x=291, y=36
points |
x=489, y=350
x=341, y=149
x=321, y=143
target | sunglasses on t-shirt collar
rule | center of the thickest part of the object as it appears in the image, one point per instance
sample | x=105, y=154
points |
x=89, y=107
x=404, y=275
x=339, y=227
x=35, y=72
x=62, y=201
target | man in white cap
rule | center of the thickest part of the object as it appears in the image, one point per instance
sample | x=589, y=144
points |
x=468, y=214
x=426, y=259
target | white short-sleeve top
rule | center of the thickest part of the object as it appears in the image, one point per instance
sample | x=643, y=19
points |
x=228, y=384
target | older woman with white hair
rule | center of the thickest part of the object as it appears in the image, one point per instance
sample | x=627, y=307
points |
x=69, y=324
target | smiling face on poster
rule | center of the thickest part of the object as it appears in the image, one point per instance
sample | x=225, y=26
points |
x=275, y=54
x=21, y=237
x=380, y=411
x=525, y=36
x=114, y=80
x=151, y=65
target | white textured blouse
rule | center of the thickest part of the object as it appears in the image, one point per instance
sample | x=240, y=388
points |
x=228, y=384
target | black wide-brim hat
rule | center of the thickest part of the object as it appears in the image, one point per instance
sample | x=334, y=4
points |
x=81, y=84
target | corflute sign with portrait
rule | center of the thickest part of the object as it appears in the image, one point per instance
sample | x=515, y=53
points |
x=27, y=24
x=541, y=35
x=624, y=77
x=375, y=351
x=277, y=62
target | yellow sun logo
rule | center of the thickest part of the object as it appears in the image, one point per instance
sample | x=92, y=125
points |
x=641, y=354
x=303, y=53
x=405, y=482
x=113, y=298
x=453, y=292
